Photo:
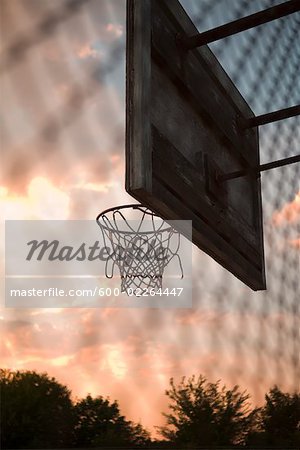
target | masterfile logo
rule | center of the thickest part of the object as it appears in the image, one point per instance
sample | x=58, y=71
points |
x=66, y=263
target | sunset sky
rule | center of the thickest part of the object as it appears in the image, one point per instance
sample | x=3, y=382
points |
x=62, y=157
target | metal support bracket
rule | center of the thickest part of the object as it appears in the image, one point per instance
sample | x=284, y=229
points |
x=262, y=168
x=264, y=119
x=243, y=24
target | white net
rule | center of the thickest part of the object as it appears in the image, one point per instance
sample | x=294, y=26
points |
x=141, y=249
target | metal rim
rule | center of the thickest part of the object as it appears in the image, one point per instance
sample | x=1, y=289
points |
x=140, y=207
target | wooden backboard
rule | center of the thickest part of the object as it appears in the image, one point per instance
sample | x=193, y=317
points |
x=182, y=130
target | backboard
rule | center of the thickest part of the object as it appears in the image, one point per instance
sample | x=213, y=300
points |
x=183, y=131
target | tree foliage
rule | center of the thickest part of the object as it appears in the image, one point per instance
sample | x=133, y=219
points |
x=204, y=413
x=36, y=411
x=279, y=421
x=99, y=422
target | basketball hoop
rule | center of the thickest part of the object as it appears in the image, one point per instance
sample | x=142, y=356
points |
x=140, y=248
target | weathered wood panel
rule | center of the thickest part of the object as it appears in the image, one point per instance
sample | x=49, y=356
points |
x=138, y=96
x=182, y=110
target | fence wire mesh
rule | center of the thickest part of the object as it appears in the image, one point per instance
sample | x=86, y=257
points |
x=62, y=147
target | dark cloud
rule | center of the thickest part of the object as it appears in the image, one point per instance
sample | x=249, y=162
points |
x=63, y=113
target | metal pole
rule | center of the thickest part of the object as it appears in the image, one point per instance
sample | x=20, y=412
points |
x=254, y=20
x=272, y=116
x=261, y=168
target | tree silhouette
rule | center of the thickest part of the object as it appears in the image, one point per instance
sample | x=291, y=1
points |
x=99, y=422
x=205, y=413
x=36, y=411
x=279, y=421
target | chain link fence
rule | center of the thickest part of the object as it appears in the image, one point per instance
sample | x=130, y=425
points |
x=63, y=103
x=264, y=63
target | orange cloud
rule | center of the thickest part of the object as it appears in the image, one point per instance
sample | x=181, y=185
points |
x=289, y=214
x=86, y=51
x=96, y=187
x=199, y=317
x=115, y=29
x=295, y=243
x=115, y=361
x=43, y=201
